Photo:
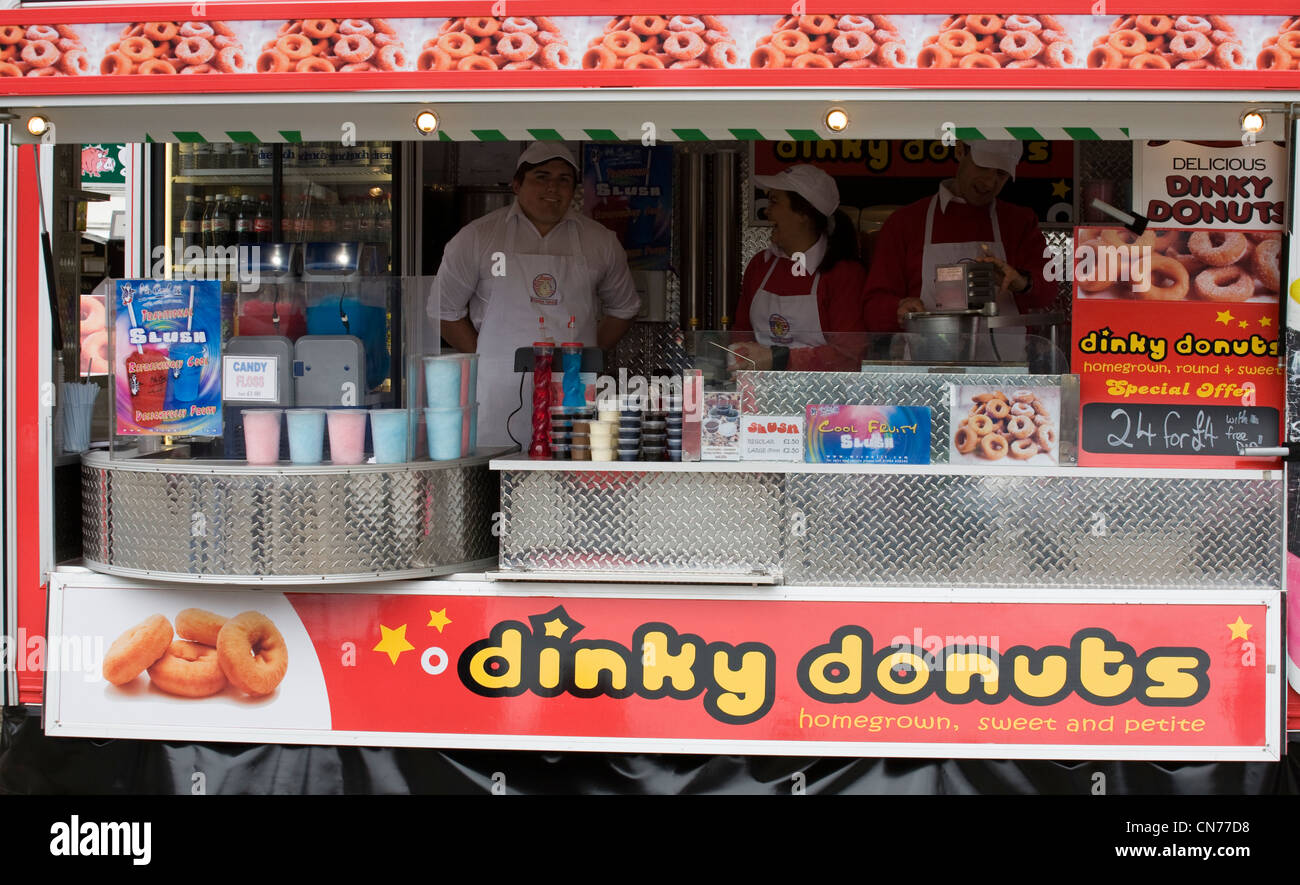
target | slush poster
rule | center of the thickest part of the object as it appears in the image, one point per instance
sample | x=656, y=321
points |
x=168, y=357
x=629, y=189
x=867, y=434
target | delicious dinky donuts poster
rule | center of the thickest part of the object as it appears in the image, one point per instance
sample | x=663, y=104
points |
x=1098, y=678
x=1175, y=341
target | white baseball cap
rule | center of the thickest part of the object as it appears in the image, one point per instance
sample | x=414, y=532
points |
x=1002, y=155
x=541, y=151
x=809, y=182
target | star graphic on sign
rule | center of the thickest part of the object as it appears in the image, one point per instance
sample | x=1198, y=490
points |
x=1060, y=188
x=555, y=624
x=1243, y=323
x=393, y=643
x=1225, y=317
x=1265, y=322
x=1240, y=629
x=438, y=619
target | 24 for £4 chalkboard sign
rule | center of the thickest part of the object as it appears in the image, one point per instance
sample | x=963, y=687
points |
x=1168, y=382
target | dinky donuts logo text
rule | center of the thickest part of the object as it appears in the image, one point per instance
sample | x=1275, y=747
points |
x=738, y=681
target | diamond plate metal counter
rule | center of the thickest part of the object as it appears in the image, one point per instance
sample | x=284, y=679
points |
x=1030, y=531
x=203, y=521
x=646, y=522
x=935, y=527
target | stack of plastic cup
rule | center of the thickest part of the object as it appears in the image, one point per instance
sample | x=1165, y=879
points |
x=262, y=435
x=451, y=389
x=347, y=429
x=629, y=429
x=388, y=427
x=306, y=435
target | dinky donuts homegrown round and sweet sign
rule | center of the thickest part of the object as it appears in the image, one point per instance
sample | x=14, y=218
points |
x=1091, y=678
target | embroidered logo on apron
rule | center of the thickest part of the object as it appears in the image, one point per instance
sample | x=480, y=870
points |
x=779, y=326
x=544, y=289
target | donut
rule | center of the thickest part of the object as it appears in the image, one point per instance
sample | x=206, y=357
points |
x=1060, y=55
x=517, y=46
x=811, y=60
x=683, y=45
x=1164, y=268
x=997, y=409
x=1045, y=437
x=1229, y=55
x=115, y=63
x=518, y=25
x=136, y=650
x=1128, y=42
x=1023, y=449
x=978, y=60
x=230, y=59
x=94, y=351
x=687, y=23
x=252, y=653
x=1290, y=41
x=817, y=24
x=390, y=58
x=316, y=28
x=1274, y=58
x=457, y=44
x=468, y=63
x=1020, y=426
x=156, y=66
x=1192, y=23
x=981, y=424
x=986, y=398
x=273, y=61
x=763, y=57
x=11, y=34
x=197, y=29
x=965, y=440
x=137, y=49
x=1191, y=45
x=642, y=60
x=40, y=53
x=195, y=50
x=312, y=64
x=983, y=24
x=993, y=446
x=204, y=69
x=647, y=25
x=933, y=56
x=722, y=55
x=1231, y=249
x=1154, y=24
x=1223, y=284
x=1147, y=61
x=855, y=23
x=791, y=42
x=188, y=670
x=891, y=55
x=161, y=32
x=357, y=26
x=382, y=26
x=1267, y=264
x=1024, y=410
x=1105, y=57
x=1021, y=45
x=354, y=48
x=480, y=26
x=602, y=58
x=433, y=59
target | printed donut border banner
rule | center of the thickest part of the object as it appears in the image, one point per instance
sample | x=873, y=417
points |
x=820, y=671
x=252, y=48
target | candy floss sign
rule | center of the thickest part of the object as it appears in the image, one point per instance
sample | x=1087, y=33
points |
x=1147, y=676
x=1185, y=184
x=167, y=357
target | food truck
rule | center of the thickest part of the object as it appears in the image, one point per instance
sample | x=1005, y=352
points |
x=246, y=496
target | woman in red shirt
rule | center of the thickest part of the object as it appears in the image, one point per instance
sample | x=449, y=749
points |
x=802, y=297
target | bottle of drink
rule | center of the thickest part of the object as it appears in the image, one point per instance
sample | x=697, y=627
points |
x=287, y=211
x=192, y=223
x=289, y=155
x=244, y=221
x=205, y=224
x=221, y=222
x=301, y=220
x=220, y=155
x=265, y=156
x=383, y=219
x=202, y=156
x=185, y=156
x=327, y=225
x=262, y=221
x=240, y=155
x=348, y=220
x=365, y=222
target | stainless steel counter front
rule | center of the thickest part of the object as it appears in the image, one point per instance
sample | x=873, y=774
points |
x=891, y=526
x=218, y=521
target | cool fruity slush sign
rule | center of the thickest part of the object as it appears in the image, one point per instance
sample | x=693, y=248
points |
x=875, y=434
x=168, y=357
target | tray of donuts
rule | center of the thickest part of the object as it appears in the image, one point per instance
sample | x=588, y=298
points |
x=828, y=40
x=1179, y=265
x=988, y=40
x=1165, y=42
x=655, y=42
x=186, y=47
x=328, y=45
x=1005, y=427
x=500, y=43
x=42, y=51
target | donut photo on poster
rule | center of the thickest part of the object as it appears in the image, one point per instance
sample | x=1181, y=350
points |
x=1012, y=427
x=192, y=658
x=1164, y=264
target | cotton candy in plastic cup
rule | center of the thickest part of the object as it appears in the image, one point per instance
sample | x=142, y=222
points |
x=347, y=435
x=306, y=435
x=452, y=433
x=262, y=435
x=450, y=380
x=388, y=427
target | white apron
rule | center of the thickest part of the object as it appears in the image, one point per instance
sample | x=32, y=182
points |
x=786, y=320
x=553, y=286
x=1011, y=342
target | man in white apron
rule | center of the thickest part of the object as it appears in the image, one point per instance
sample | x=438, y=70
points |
x=965, y=221
x=533, y=259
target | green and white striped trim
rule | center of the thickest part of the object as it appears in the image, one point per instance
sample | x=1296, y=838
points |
x=668, y=134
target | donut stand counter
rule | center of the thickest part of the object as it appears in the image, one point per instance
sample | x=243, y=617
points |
x=960, y=581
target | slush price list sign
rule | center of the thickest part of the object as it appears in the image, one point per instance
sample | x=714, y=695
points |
x=1160, y=429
